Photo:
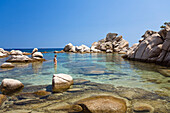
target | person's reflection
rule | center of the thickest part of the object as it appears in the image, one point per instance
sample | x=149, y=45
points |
x=55, y=69
x=37, y=66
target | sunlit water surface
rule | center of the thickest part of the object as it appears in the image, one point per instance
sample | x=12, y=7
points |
x=100, y=68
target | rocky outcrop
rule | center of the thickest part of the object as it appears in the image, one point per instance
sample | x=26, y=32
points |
x=61, y=82
x=153, y=47
x=100, y=104
x=3, y=53
x=9, y=86
x=112, y=43
x=7, y=65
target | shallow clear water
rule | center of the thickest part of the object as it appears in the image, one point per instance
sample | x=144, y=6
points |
x=100, y=68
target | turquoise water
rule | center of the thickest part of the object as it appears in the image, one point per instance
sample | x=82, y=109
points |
x=100, y=68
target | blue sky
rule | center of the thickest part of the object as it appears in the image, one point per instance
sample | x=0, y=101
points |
x=54, y=23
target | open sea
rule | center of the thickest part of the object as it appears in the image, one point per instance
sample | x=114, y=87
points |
x=96, y=67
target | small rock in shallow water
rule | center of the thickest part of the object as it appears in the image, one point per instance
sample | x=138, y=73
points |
x=7, y=65
x=75, y=89
x=61, y=82
x=80, y=81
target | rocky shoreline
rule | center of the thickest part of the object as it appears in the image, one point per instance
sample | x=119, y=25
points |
x=154, y=47
x=85, y=97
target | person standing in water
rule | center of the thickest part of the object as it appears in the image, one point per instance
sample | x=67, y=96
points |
x=55, y=60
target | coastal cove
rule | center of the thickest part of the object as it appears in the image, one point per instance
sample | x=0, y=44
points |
x=129, y=86
x=105, y=68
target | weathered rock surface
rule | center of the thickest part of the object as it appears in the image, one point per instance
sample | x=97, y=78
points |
x=61, y=82
x=9, y=86
x=100, y=104
x=154, y=47
x=7, y=65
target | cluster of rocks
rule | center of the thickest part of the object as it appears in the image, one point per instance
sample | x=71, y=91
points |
x=83, y=97
x=76, y=49
x=112, y=43
x=17, y=56
x=153, y=47
x=3, y=53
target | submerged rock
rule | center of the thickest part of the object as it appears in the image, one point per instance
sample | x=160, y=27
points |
x=9, y=86
x=100, y=104
x=61, y=82
x=7, y=65
x=164, y=72
x=2, y=99
x=142, y=107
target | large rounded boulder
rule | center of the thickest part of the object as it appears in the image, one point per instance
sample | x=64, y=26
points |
x=99, y=104
x=68, y=47
x=37, y=54
x=61, y=82
x=9, y=86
